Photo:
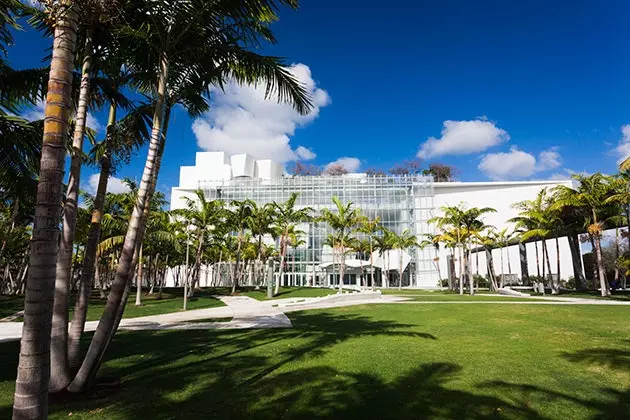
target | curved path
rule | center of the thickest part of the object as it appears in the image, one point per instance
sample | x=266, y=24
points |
x=247, y=312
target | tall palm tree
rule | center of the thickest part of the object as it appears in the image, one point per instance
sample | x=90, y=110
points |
x=463, y=224
x=384, y=244
x=204, y=43
x=286, y=217
x=405, y=240
x=344, y=221
x=261, y=224
x=433, y=240
x=370, y=228
x=590, y=198
x=202, y=217
x=240, y=218
x=33, y=376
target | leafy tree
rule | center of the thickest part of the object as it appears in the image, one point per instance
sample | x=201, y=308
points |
x=302, y=169
x=335, y=169
x=440, y=172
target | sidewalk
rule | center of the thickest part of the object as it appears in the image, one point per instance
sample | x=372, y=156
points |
x=244, y=311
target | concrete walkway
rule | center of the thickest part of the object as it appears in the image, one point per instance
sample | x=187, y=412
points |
x=244, y=311
x=247, y=312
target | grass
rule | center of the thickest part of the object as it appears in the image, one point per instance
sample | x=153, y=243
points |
x=369, y=362
x=172, y=301
x=594, y=294
x=445, y=295
x=10, y=305
x=285, y=292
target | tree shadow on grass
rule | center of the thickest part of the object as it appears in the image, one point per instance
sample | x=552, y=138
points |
x=610, y=404
x=613, y=357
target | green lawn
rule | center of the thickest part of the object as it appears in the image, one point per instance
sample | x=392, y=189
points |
x=172, y=301
x=444, y=295
x=289, y=292
x=369, y=362
x=594, y=294
x=10, y=305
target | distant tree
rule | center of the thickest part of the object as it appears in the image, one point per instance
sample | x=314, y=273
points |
x=335, y=169
x=374, y=172
x=399, y=170
x=302, y=169
x=440, y=172
x=408, y=167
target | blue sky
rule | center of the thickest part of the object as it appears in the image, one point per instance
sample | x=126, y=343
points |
x=499, y=89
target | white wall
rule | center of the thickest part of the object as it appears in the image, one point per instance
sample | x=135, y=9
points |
x=500, y=196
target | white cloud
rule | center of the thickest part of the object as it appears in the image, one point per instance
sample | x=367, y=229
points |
x=114, y=185
x=517, y=164
x=549, y=159
x=305, y=154
x=243, y=121
x=623, y=149
x=463, y=137
x=38, y=113
x=351, y=164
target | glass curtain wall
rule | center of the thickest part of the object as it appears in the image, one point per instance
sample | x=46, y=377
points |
x=401, y=202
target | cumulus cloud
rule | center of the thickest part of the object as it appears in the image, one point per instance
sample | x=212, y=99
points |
x=114, y=185
x=463, y=137
x=623, y=149
x=517, y=164
x=243, y=121
x=38, y=113
x=351, y=164
x=305, y=154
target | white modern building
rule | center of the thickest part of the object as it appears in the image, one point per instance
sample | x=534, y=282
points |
x=401, y=202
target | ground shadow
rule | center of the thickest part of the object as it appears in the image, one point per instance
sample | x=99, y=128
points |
x=614, y=357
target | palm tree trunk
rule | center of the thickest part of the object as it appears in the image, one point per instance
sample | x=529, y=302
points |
x=283, y=249
x=237, y=263
x=371, y=263
x=400, y=272
x=490, y=264
x=90, y=259
x=468, y=271
x=197, y=270
x=556, y=283
x=217, y=277
x=33, y=373
x=502, y=282
x=617, y=254
x=342, y=263
x=548, y=260
x=59, y=367
x=576, y=257
x=134, y=235
x=139, y=278
x=437, y=266
x=537, y=260
x=509, y=264
x=603, y=284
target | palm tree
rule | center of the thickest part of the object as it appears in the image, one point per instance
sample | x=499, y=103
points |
x=362, y=247
x=261, y=224
x=240, y=218
x=202, y=217
x=33, y=375
x=202, y=43
x=384, y=244
x=286, y=217
x=405, y=240
x=590, y=198
x=295, y=240
x=433, y=240
x=344, y=221
x=370, y=227
x=465, y=224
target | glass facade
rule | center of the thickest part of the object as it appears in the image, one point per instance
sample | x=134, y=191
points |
x=401, y=202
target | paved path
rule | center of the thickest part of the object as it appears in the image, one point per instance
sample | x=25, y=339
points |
x=247, y=312
x=244, y=311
